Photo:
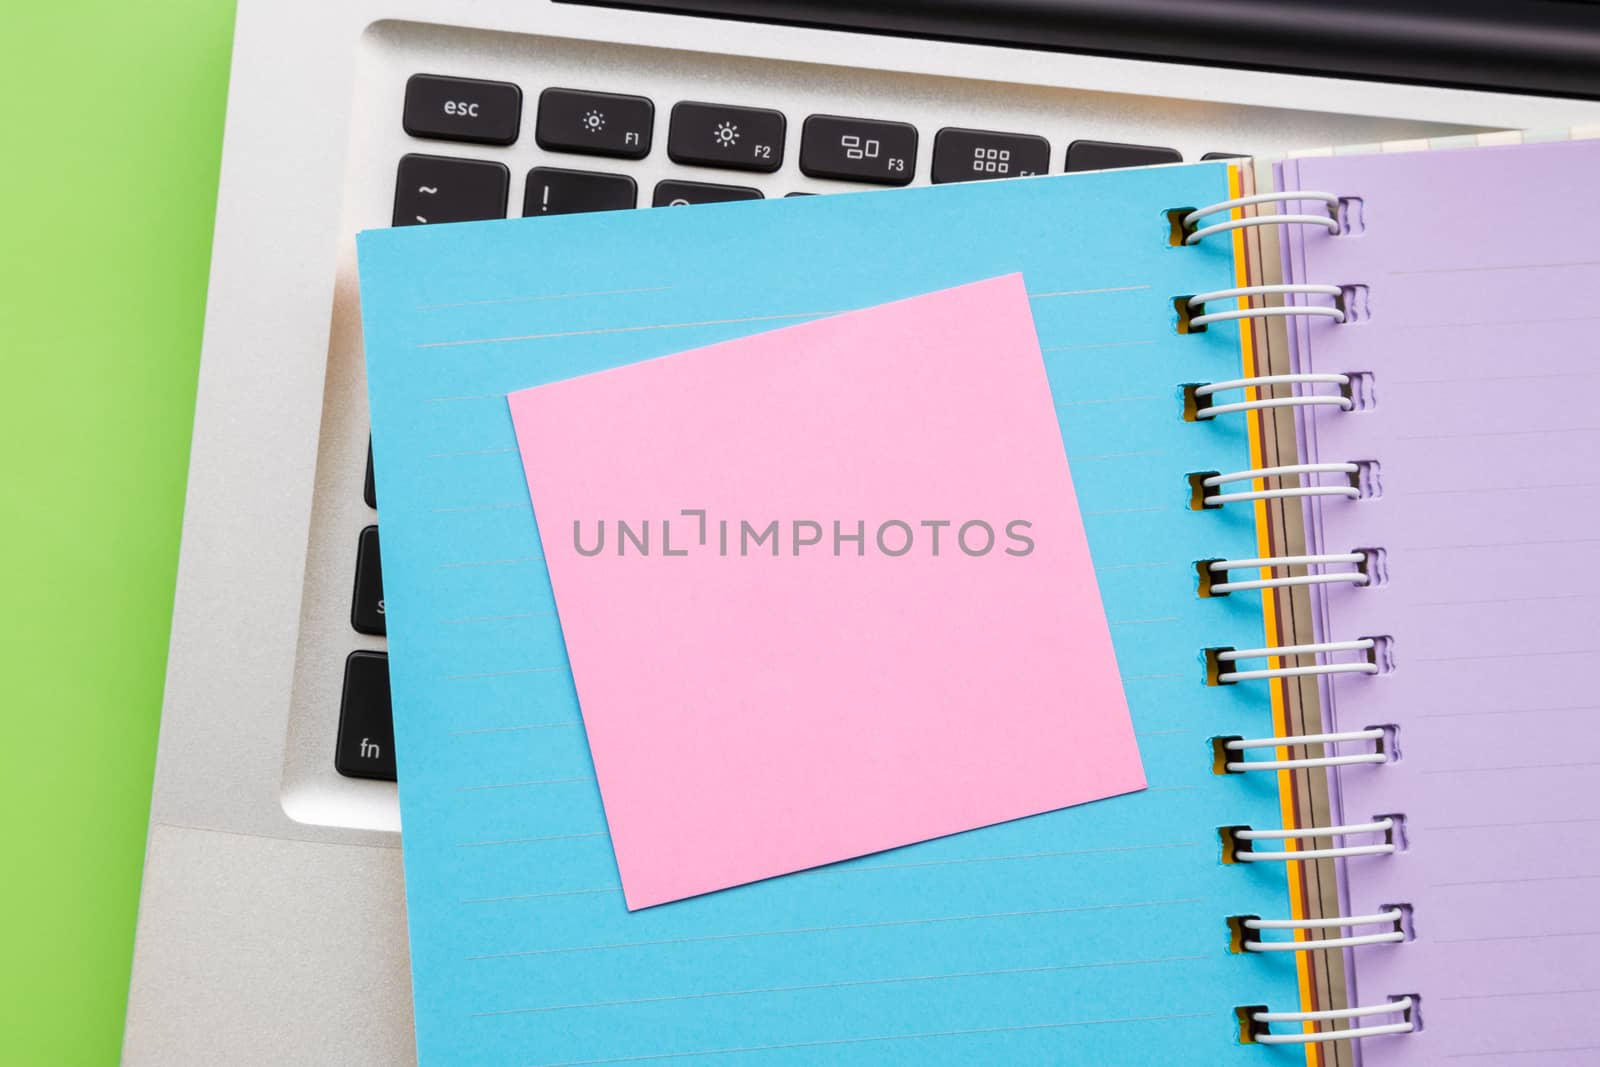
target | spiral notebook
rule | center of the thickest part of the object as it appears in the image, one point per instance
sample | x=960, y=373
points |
x=1474, y=359
x=1387, y=352
x=1097, y=933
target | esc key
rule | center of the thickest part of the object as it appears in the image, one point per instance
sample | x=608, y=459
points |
x=462, y=109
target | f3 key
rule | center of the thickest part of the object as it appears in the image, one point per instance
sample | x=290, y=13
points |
x=858, y=150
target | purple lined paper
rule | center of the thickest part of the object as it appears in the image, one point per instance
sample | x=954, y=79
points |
x=1482, y=268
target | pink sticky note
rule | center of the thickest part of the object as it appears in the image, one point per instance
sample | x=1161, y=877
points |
x=765, y=691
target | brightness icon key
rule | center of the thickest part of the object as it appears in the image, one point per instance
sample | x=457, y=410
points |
x=726, y=136
x=594, y=124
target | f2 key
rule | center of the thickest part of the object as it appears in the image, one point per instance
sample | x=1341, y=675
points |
x=721, y=135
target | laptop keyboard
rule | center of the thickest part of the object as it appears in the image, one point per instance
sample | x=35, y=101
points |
x=619, y=128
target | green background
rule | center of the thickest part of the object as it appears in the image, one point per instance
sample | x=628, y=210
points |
x=113, y=125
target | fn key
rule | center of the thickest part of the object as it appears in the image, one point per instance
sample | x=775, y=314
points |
x=366, y=727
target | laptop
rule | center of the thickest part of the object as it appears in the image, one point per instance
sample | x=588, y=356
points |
x=271, y=923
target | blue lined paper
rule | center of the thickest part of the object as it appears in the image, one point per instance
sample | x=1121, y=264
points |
x=1094, y=934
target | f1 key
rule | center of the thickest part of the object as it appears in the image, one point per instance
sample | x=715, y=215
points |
x=595, y=124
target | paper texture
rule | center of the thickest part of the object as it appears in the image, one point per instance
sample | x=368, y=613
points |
x=1073, y=936
x=880, y=622
x=1481, y=270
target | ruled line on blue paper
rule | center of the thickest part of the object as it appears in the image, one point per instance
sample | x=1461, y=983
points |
x=1035, y=913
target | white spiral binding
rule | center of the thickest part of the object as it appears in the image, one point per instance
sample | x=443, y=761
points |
x=1379, y=826
x=1223, y=566
x=1205, y=318
x=1386, y=826
x=1245, y=744
x=1330, y=220
x=1391, y=917
x=1401, y=1005
x=1217, y=500
x=1344, y=403
x=1233, y=655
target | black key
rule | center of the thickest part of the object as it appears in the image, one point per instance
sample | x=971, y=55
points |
x=369, y=492
x=366, y=725
x=1224, y=155
x=720, y=135
x=1105, y=155
x=682, y=194
x=596, y=124
x=366, y=607
x=554, y=191
x=858, y=150
x=462, y=109
x=441, y=189
x=972, y=155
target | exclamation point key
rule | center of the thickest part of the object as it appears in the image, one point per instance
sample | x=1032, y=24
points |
x=558, y=191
